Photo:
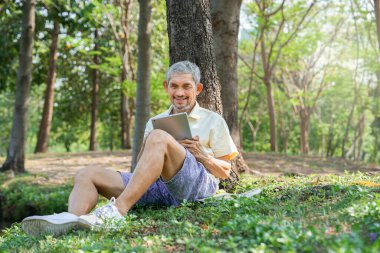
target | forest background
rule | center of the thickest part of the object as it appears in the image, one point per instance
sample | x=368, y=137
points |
x=315, y=63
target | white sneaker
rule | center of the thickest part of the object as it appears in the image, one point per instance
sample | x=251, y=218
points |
x=55, y=224
x=107, y=215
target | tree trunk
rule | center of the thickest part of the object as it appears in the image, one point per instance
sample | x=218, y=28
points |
x=95, y=95
x=272, y=117
x=191, y=38
x=225, y=23
x=47, y=115
x=143, y=78
x=16, y=151
x=304, y=128
x=330, y=139
x=126, y=114
x=125, y=121
x=349, y=120
x=361, y=125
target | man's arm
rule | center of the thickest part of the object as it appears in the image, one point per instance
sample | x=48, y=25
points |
x=219, y=167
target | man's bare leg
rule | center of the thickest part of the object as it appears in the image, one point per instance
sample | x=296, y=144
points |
x=89, y=183
x=162, y=156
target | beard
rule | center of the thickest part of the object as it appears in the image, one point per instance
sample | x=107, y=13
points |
x=183, y=108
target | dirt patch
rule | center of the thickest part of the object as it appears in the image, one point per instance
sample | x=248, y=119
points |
x=278, y=164
x=60, y=167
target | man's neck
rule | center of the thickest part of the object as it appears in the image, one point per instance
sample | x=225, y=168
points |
x=174, y=111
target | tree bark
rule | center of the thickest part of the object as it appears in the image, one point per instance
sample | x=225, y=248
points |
x=143, y=77
x=95, y=95
x=225, y=23
x=16, y=151
x=191, y=38
x=47, y=115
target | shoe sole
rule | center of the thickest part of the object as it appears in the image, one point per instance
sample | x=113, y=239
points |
x=82, y=223
x=39, y=227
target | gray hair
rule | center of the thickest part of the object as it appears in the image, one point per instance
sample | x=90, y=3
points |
x=184, y=67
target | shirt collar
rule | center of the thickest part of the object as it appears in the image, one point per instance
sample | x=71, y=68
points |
x=195, y=113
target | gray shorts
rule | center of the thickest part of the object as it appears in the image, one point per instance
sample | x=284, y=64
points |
x=192, y=182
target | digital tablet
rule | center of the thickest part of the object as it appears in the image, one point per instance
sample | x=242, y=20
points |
x=176, y=124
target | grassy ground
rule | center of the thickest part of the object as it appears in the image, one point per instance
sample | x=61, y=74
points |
x=294, y=213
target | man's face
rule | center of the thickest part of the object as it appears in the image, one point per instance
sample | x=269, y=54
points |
x=182, y=91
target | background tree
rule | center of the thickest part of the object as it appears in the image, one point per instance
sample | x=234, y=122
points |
x=304, y=81
x=143, y=77
x=225, y=21
x=273, y=38
x=95, y=93
x=191, y=38
x=47, y=114
x=16, y=150
x=225, y=25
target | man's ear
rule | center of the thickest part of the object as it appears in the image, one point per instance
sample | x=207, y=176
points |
x=199, y=88
x=165, y=83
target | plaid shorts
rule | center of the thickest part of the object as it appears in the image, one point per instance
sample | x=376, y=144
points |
x=192, y=182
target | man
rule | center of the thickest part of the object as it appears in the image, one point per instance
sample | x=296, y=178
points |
x=167, y=171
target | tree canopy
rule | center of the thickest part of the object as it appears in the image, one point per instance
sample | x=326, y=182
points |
x=308, y=74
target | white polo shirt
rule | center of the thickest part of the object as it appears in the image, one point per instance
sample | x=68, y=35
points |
x=211, y=128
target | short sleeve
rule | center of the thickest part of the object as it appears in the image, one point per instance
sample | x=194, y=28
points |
x=148, y=128
x=221, y=142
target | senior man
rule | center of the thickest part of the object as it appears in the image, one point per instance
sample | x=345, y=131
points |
x=167, y=171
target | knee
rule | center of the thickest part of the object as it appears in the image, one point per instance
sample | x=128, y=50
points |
x=159, y=137
x=85, y=174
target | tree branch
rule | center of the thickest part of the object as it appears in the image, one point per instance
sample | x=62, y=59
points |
x=291, y=36
x=250, y=67
x=277, y=10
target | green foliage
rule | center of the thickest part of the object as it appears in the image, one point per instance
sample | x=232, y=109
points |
x=23, y=196
x=10, y=28
x=6, y=110
x=292, y=214
x=352, y=55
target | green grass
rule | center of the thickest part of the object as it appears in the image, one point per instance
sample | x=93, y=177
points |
x=292, y=214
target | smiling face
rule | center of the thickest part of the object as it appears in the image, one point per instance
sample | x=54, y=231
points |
x=182, y=92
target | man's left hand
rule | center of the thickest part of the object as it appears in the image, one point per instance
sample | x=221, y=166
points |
x=195, y=148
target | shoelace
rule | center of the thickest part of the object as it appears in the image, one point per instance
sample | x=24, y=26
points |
x=105, y=211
